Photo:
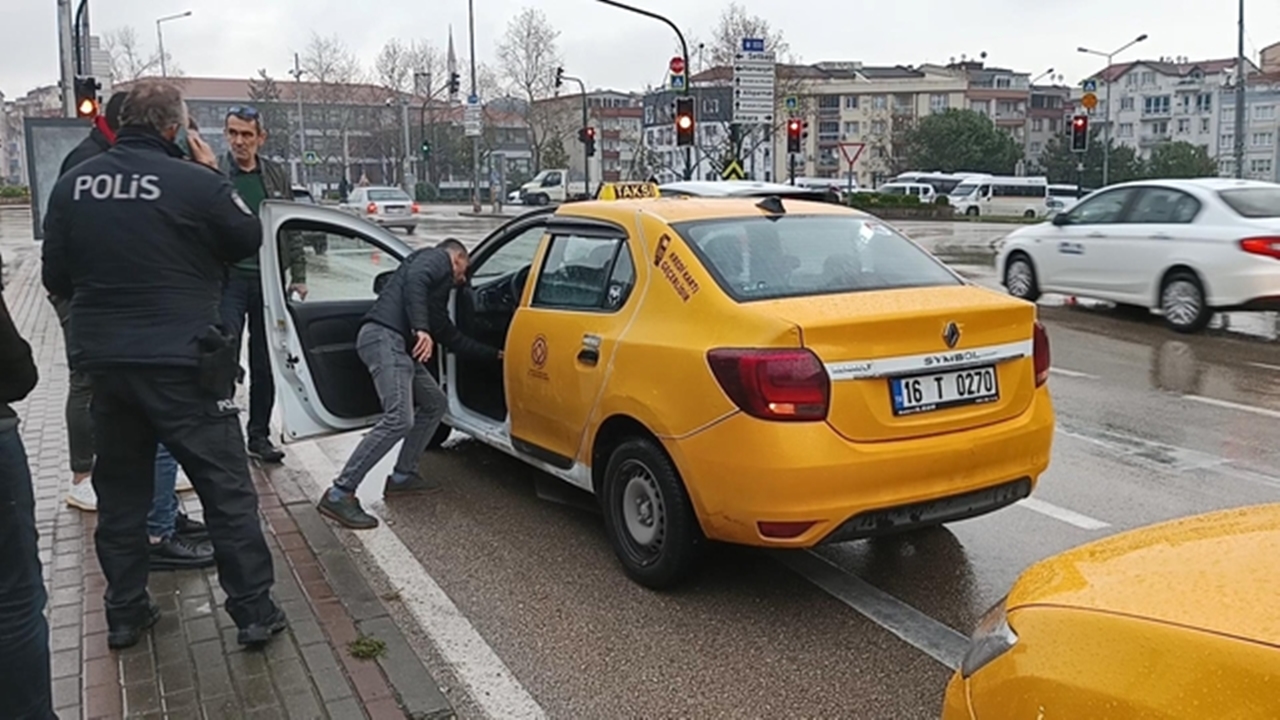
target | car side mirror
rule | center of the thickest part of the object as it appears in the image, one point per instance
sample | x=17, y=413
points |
x=381, y=280
x=1061, y=219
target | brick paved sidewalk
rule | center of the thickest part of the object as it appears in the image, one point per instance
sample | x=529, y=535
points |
x=190, y=666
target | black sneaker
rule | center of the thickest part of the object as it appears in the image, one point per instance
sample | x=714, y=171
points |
x=190, y=530
x=261, y=449
x=415, y=484
x=346, y=511
x=179, y=553
x=260, y=633
x=125, y=636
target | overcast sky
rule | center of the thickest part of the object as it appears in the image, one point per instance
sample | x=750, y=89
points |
x=612, y=48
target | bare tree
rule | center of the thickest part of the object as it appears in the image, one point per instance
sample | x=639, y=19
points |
x=734, y=25
x=334, y=73
x=130, y=60
x=528, y=56
x=394, y=66
x=264, y=93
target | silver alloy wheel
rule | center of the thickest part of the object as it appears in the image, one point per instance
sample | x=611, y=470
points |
x=1181, y=302
x=1019, y=278
x=643, y=511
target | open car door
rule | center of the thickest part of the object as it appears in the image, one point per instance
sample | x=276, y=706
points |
x=322, y=386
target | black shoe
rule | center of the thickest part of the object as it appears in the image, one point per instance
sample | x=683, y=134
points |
x=262, y=449
x=346, y=511
x=178, y=553
x=190, y=530
x=415, y=484
x=126, y=636
x=259, y=633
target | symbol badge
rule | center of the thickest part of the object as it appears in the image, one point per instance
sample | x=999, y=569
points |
x=951, y=335
x=539, y=352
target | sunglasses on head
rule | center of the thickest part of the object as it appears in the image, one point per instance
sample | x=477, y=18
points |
x=244, y=112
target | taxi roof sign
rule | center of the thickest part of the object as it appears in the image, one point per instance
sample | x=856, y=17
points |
x=628, y=191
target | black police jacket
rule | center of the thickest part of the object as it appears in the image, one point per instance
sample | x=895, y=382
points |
x=93, y=145
x=17, y=368
x=139, y=239
x=416, y=298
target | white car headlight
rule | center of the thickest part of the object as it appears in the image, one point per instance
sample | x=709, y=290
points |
x=992, y=638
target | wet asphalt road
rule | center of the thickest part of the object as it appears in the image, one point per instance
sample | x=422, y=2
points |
x=1152, y=426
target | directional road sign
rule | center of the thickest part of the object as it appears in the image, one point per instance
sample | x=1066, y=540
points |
x=753, y=45
x=472, y=118
x=754, y=74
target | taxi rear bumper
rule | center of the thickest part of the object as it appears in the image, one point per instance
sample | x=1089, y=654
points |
x=743, y=472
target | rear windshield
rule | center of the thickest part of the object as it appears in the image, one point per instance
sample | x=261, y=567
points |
x=1256, y=202
x=385, y=195
x=758, y=258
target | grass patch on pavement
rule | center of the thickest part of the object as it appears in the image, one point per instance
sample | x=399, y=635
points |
x=367, y=648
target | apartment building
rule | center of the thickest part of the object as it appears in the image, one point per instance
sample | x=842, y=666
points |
x=1262, y=122
x=1165, y=100
x=713, y=114
x=43, y=102
x=618, y=121
x=998, y=93
x=1049, y=109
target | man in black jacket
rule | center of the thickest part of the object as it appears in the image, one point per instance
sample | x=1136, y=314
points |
x=395, y=341
x=139, y=238
x=25, y=682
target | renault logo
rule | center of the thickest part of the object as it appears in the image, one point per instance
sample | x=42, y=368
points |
x=951, y=335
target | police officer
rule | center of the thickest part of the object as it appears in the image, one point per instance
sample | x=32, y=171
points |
x=139, y=239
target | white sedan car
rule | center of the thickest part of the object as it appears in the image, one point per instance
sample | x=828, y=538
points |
x=389, y=207
x=1188, y=248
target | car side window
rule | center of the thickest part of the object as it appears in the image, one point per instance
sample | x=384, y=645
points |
x=578, y=274
x=1164, y=206
x=514, y=255
x=349, y=268
x=621, y=280
x=1101, y=210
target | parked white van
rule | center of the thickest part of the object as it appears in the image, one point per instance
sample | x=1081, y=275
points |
x=926, y=193
x=1003, y=196
x=943, y=183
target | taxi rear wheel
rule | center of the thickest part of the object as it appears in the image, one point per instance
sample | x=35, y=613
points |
x=648, y=516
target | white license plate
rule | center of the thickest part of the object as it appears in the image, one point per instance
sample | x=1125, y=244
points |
x=926, y=393
x=397, y=211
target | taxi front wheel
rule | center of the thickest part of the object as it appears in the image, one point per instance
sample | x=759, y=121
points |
x=648, y=516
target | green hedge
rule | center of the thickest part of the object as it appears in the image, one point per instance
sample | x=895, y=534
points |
x=14, y=191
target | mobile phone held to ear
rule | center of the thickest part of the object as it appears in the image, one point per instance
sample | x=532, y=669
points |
x=182, y=142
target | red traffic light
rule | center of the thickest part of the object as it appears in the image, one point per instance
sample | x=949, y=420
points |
x=684, y=122
x=793, y=127
x=1081, y=121
x=591, y=132
x=87, y=108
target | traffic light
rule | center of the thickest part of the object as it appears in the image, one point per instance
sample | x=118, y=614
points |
x=559, y=76
x=426, y=148
x=87, y=97
x=587, y=136
x=1080, y=133
x=684, y=121
x=794, y=127
x=453, y=83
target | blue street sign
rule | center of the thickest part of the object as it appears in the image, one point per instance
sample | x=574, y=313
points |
x=677, y=82
x=752, y=44
x=473, y=99
x=792, y=102
x=1090, y=85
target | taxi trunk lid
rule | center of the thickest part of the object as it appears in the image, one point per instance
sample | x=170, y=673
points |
x=899, y=371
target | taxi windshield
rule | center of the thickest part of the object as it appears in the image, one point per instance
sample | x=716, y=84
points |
x=761, y=258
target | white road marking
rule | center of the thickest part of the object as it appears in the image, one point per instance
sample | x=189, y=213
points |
x=488, y=681
x=1265, y=412
x=1070, y=517
x=912, y=626
x=1071, y=373
x=1264, y=366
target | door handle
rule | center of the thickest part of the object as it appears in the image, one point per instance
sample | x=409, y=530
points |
x=1161, y=236
x=589, y=356
x=1094, y=235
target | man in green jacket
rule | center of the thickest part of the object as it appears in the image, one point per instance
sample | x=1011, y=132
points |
x=257, y=179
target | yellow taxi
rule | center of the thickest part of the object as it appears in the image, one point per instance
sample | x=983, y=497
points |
x=763, y=371
x=1172, y=621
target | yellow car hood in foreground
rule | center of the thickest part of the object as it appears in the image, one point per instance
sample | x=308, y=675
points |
x=1217, y=572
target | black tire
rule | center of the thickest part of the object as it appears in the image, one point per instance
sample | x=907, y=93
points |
x=1029, y=214
x=673, y=552
x=541, y=199
x=411, y=230
x=442, y=433
x=1183, y=302
x=971, y=212
x=1020, y=277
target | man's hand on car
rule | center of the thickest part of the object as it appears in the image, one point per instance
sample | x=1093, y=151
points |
x=300, y=289
x=422, y=348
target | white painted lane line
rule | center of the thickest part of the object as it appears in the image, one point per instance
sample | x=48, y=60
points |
x=1071, y=373
x=1264, y=366
x=1070, y=517
x=488, y=681
x=1264, y=412
x=912, y=626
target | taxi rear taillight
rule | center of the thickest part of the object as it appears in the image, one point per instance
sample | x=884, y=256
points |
x=1268, y=246
x=1041, y=354
x=789, y=385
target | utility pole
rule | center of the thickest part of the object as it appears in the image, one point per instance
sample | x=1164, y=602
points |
x=407, y=172
x=1241, y=110
x=66, y=52
x=1106, y=127
x=160, y=37
x=586, y=161
x=475, y=92
x=297, y=73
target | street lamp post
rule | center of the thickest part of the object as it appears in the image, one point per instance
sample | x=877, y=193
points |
x=1106, y=127
x=160, y=38
x=586, y=161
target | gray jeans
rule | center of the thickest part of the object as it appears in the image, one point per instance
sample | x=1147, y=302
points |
x=402, y=383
